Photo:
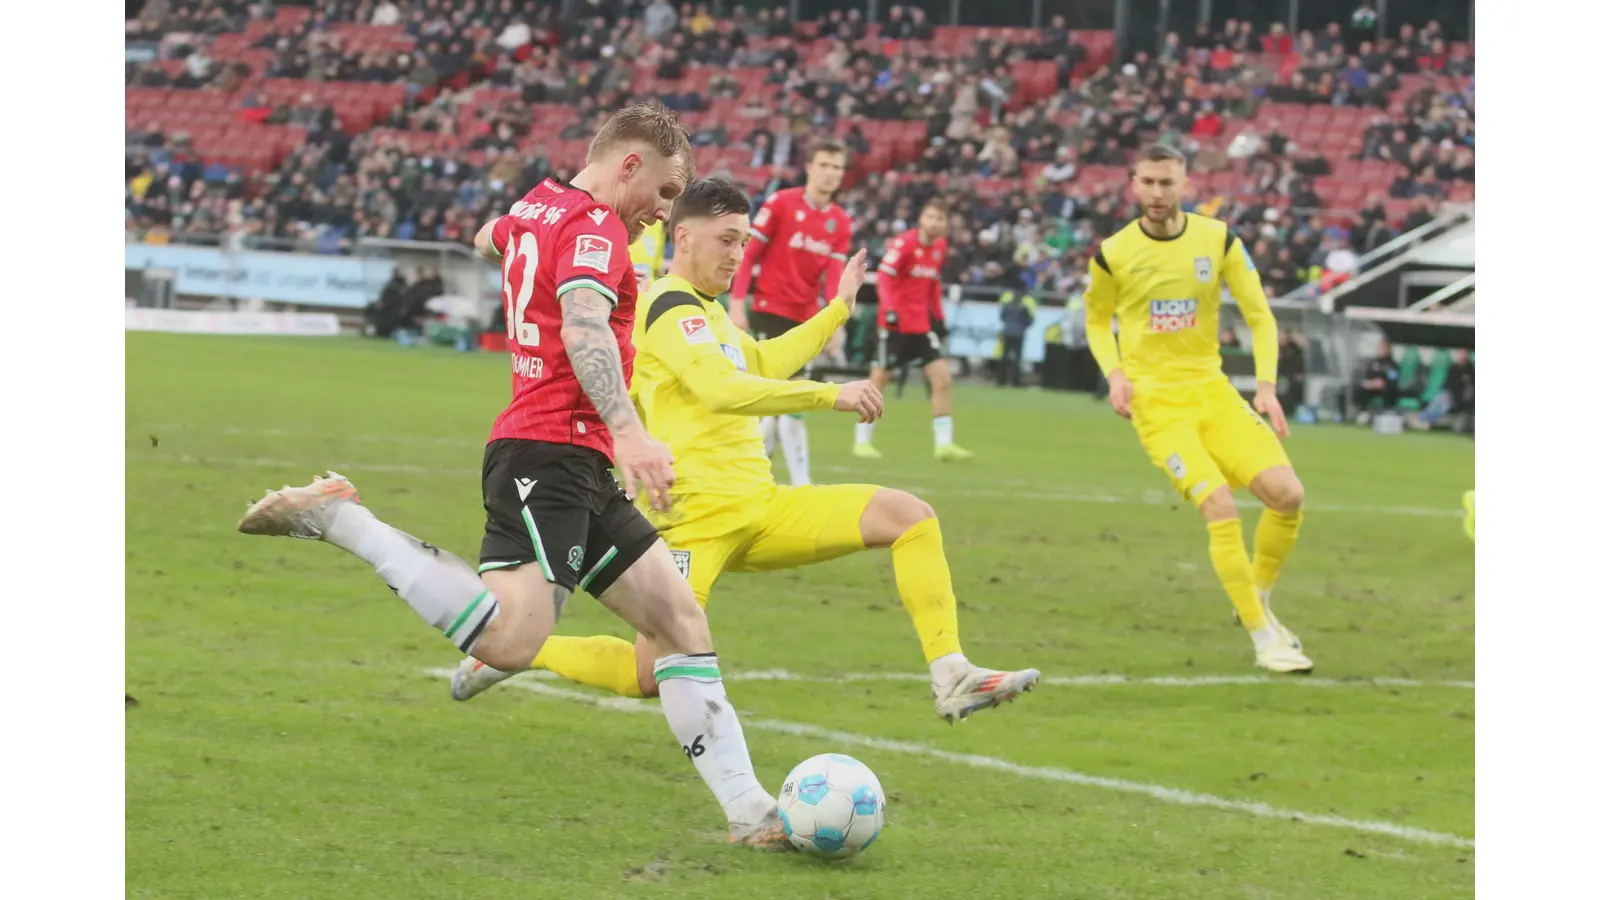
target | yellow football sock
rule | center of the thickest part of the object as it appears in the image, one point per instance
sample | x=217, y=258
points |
x=1232, y=563
x=1276, y=534
x=601, y=661
x=923, y=577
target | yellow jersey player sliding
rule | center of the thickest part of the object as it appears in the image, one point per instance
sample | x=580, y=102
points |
x=700, y=384
x=1162, y=278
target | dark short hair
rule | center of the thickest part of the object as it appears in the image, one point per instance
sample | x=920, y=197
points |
x=711, y=198
x=1162, y=153
x=828, y=145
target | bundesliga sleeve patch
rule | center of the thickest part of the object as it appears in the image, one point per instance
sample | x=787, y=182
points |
x=696, y=330
x=593, y=252
x=762, y=216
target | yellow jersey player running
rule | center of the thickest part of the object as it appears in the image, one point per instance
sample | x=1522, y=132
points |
x=700, y=384
x=1162, y=278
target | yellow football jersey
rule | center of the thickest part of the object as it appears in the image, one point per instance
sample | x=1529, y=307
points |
x=699, y=384
x=1166, y=295
x=647, y=254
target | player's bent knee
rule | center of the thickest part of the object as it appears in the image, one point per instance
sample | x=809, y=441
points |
x=1219, y=506
x=890, y=514
x=1280, y=490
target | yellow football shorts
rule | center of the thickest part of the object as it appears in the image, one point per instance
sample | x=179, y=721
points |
x=772, y=527
x=1204, y=436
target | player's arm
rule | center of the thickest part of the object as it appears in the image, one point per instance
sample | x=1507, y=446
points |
x=1244, y=283
x=763, y=228
x=788, y=353
x=492, y=237
x=596, y=359
x=678, y=333
x=1100, y=305
x=888, y=275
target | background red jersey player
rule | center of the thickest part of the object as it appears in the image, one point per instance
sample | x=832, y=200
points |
x=557, y=519
x=802, y=240
x=911, y=323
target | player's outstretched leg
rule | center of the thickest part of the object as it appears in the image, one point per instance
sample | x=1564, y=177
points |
x=653, y=598
x=1279, y=489
x=796, y=448
x=1276, y=649
x=908, y=526
x=441, y=587
x=944, y=424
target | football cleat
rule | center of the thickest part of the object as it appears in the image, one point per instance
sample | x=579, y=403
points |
x=300, y=512
x=1284, y=655
x=473, y=678
x=951, y=453
x=866, y=451
x=767, y=834
x=980, y=689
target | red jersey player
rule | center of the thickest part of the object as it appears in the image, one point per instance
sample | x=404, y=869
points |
x=557, y=519
x=910, y=320
x=802, y=240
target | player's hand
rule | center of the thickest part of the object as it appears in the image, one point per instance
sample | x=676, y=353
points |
x=736, y=312
x=862, y=398
x=855, y=273
x=1121, y=393
x=643, y=459
x=1267, y=404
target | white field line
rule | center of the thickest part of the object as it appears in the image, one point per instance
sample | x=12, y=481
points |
x=1004, y=490
x=1174, y=681
x=1041, y=773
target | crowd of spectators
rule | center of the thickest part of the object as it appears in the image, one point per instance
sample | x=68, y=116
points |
x=1016, y=173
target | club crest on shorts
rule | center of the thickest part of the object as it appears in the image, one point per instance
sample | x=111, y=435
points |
x=1202, y=268
x=680, y=558
x=575, y=559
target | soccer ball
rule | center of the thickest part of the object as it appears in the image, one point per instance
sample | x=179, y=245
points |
x=832, y=806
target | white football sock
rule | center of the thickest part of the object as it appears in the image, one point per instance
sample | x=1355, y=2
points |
x=1265, y=637
x=864, y=432
x=944, y=430
x=697, y=709
x=441, y=587
x=769, y=434
x=947, y=668
x=792, y=434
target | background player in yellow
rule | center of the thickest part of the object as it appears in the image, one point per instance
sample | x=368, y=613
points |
x=700, y=383
x=1162, y=278
x=648, y=253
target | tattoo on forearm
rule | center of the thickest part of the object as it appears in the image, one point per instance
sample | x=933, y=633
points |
x=596, y=359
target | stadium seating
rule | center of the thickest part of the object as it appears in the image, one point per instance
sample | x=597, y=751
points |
x=229, y=120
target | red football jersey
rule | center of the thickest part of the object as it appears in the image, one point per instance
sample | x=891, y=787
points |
x=799, y=244
x=910, y=281
x=556, y=239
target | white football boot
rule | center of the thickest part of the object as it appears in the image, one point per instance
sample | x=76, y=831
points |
x=473, y=678
x=1282, y=653
x=300, y=512
x=978, y=689
x=767, y=834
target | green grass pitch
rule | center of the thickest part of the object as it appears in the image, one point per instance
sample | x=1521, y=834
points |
x=289, y=741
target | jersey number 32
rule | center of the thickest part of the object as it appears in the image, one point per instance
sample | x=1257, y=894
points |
x=525, y=246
